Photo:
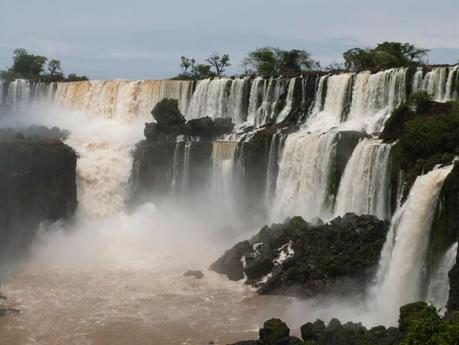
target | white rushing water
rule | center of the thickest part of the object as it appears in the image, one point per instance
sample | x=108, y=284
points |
x=400, y=276
x=223, y=176
x=438, y=290
x=304, y=176
x=365, y=184
x=122, y=98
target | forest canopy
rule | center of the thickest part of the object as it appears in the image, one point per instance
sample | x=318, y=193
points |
x=36, y=67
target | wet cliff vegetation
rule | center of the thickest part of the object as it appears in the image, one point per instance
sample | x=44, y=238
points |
x=419, y=323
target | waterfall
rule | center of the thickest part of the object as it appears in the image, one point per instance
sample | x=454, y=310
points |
x=401, y=267
x=19, y=94
x=375, y=96
x=265, y=98
x=121, y=98
x=361, y=102
x=441, y=82
x=330, y=114
x=222, y=177
x=417, y=80
x=275, y=152
x=210, y=99
x=364, y=187
x=304, y=176
x=452, y=84
x=438, y=291
x=289, y=102
x=180, y=168
x=2, y=86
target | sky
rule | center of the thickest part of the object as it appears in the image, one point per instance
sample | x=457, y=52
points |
x=144, y=39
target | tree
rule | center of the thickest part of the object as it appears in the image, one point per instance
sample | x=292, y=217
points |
x=262, y=61
x=270, y=61
x=219, y=63
x=202, y=71
x=295, y=61
x=54, y=67
x=186, y=64
x=27, y=65
x=74, y=77
x=335, y=66
x=384, y=55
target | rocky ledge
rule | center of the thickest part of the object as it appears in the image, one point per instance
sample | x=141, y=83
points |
x=170, y=123
x=299, y=259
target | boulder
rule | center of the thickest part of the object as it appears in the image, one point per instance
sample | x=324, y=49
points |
x=8, y=311
x=230, y=263
x=200, y=127
x=151, y=132
x=223, y=125
x=196, y=274
x=168, y=117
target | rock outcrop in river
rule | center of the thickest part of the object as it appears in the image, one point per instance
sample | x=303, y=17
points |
x=297, y=258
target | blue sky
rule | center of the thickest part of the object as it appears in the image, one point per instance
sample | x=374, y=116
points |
x=144, y=39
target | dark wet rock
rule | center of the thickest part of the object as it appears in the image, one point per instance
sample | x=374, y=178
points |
x=168, y=116
x=230, y=264
x=195, y=274
x=223, y=125
x=346, y=142
x=8, y=311
x=154, y=169
x=200, y=127
x=37, y=183
x=152, y=133
x=299, y=259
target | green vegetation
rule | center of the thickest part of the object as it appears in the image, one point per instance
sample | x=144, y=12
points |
x=419, y=324
x=274, y=62
x=215, y=67
x=428, y=328
x=385, y=55
x=270, y=61
x=32, y=67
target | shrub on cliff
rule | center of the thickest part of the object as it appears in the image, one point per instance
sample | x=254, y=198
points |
x=428, y=328
x=425, y=137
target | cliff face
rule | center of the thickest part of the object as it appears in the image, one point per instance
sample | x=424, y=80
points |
x=37, y=183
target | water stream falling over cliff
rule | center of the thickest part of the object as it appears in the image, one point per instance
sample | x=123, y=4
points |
x=401, y=268
x=364, y=187
x=304, y=176
x=438, y=290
